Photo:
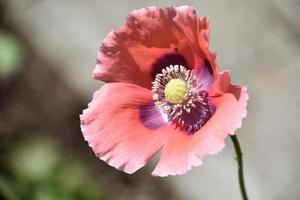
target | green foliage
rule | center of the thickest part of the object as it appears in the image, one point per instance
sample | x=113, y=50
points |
x=11, y=54
x=36, y=169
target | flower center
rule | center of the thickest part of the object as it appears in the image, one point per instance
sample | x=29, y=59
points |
x=176, y=90
x=181, y=99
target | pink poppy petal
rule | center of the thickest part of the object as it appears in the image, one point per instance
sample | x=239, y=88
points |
x=221, y=84
x=182, y=151
x=128, y=54
x=113, y=128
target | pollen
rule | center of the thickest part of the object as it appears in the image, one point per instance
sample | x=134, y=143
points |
x=176, y=90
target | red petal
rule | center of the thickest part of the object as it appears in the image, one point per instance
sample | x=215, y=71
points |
x=113, y=129
x=127, y=55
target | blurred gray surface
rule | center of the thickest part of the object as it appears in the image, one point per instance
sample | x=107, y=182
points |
x=258, y=40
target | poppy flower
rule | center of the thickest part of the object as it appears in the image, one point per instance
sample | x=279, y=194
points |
x=164, y=93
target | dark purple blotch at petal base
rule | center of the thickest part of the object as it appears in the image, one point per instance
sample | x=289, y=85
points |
x=151, y=117
x=165, y=61
x=199, y=115
x=204, y=75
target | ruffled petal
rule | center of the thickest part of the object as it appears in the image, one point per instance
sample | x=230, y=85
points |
x=114, y=129
x=182, y=151
x=129, y=54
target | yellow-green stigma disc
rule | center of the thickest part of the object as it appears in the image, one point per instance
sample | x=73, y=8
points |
x=175, y=90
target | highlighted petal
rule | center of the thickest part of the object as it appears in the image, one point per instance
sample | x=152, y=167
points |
x=129, y=54
x=182, y=151
x=113, y=128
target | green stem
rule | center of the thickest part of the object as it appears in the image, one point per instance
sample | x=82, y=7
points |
x=239, y=158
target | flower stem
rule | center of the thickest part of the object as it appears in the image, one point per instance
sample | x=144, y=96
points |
x=239, y=159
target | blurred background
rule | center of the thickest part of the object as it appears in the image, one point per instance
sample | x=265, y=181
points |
x=47, y=54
